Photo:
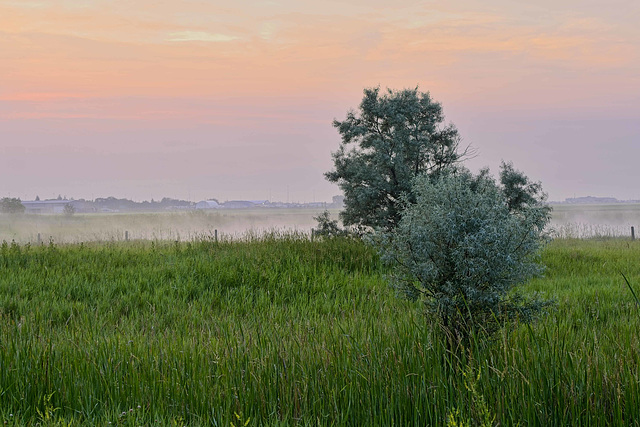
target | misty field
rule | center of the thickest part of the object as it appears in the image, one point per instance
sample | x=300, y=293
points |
x=280, y=330
x=190, y=225
x=595, y=220
x=568, y=221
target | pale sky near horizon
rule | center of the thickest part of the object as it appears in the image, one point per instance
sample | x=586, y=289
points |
x=196, y=99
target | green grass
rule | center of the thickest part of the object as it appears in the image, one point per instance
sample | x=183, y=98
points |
x=284, y=331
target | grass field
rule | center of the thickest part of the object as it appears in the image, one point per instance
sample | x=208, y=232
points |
x=284, y=331
x=568, y=221
x=182, y=226
x=593, y=220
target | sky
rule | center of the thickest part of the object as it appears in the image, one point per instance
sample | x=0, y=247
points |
x=198, y=99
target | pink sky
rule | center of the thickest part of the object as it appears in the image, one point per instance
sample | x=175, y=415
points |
x=196, y=99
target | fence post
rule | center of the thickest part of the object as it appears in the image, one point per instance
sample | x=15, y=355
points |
x=313, y=233
x=215, y=232
x=633, y=233
x=39, y=239
x=126, y=236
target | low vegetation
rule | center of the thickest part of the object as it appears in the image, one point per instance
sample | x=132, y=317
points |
x=280, y=330
x=10, y=205
x=465, y=247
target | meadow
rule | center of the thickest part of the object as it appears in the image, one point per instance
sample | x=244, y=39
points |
x=568, y=221
x=280, y=330
x=184, y=226
x=595, y=220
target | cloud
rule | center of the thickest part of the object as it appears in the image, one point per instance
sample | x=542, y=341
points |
x=40, y=96
x=199, y=36
x=26, y=4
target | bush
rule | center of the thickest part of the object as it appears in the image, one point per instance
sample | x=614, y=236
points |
x=463, y=247
x=11, y=206
x=327, y=227
x=69, y=210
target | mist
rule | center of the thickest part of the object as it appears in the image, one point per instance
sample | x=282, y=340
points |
x=173, y=226
x=572, y=221
x=586, y=220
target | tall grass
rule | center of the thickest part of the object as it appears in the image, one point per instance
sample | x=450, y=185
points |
x=279, y=330
x=589, y=231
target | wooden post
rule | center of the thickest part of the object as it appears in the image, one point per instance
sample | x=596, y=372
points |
x=215, y=232
x=633, y=233
x=313, y=232
x=126, y=236
x=39, y=239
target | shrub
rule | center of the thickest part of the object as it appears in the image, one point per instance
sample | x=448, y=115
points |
x=462, y=247
x=11, y=206
x=327, y=227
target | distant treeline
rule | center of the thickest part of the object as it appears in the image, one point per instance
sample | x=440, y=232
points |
x=113, y=204
x=596, y=200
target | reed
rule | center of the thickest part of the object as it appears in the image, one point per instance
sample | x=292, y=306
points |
x=279, y=330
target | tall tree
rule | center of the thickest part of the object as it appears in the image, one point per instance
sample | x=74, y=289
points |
x=391, y=139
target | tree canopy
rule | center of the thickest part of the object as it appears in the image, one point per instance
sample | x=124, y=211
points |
x=391, y=139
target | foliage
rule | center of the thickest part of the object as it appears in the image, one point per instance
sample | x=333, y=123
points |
x=328, y=227
x=11, y=205
x=393, y=138
x=480, y=412
x=518, y=190
x=69, y=209
x=462, y=249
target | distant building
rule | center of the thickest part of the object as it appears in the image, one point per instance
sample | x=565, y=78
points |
x=315, y=205
x=238, y=204
x=47, y=206
x=244, y=204
x=592, y=200
x=208, y=204
x=83, y=206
